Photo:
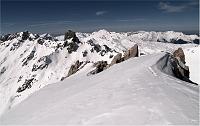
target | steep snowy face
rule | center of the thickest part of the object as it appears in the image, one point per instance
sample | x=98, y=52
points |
x=21, y=54
x=29, y=61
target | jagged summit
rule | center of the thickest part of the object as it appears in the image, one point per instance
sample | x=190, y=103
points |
x=19, y=35
x=70, y=34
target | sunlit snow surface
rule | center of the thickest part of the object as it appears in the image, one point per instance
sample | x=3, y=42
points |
x=128, y=93
x=192, y=56
x=132, y=92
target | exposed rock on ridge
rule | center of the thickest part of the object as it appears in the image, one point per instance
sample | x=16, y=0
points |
x=132, y=52
x=179, y=68
x=174, y=65
x=102, y=65
x=71, y=41
x=74, y=68
x=99, y=67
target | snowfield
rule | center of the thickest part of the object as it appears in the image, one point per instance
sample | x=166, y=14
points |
x=133, y=92
x=193, y=61
x=35, y=87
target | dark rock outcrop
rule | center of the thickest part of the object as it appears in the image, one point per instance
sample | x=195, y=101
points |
x=25, y=35
x=40, y=41
x=72, y=47
x=26, y=85
x=111, y=56
x=117, y=59
x=70, y=34
x=101, y=49
x=16, y=45
x=173, y=66
x=85, y=53
x=179, y=41
x=74, y=68
x=90, y=42
x=29, y=57
x=196, y=41
x=179, y=54
x=162, y=40
x=132, y=52
x=100, y=66
x=5, y=38
x=42, y=63
x=96, y=47
x=73, y=44
x=179, y=68
x=2, y=70
x=107, y=49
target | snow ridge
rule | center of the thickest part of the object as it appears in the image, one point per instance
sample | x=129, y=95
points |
x=136, y=98
x=29, y=61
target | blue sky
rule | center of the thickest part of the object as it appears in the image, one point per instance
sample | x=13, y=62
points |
x=86, y=16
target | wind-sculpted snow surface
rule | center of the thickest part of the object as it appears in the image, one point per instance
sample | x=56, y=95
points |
x=133, y=92
x=28, y=62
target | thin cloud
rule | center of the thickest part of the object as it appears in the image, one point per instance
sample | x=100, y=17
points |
x=130, y=20
x=99, y=13
x=167, y=7
x=50, y=23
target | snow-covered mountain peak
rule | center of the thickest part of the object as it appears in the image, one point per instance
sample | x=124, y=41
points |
x=29, y=62
x=19, y=36
x=102, y=31
x=45, y=35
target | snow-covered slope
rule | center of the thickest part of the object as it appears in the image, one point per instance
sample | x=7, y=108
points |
x=132, y=92
x=193, y=61
x=28, y=62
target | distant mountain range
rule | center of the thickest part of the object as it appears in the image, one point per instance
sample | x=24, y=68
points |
x=28, y=61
